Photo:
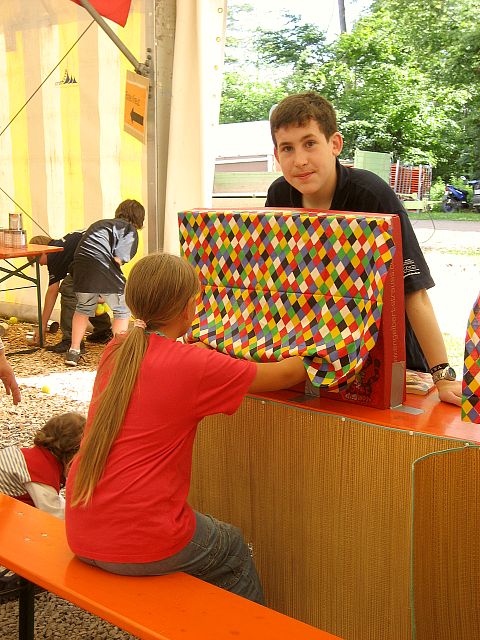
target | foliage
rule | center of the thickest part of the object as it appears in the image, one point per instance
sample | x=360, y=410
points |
x=243, y=95
x=437, y=189
x=297, y=44
x=404, y=81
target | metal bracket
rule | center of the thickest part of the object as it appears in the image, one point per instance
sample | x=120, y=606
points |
x=143, y=69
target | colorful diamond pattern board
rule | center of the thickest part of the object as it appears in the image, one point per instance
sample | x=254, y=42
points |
x=280, y=283
x=471, y=369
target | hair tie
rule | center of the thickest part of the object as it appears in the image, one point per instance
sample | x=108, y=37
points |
x=139, y=323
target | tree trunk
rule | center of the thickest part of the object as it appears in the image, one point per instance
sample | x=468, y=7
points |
x=341, y=16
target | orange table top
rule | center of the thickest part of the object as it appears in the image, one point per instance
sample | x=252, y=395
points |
x=30, y=251
x=421, y=414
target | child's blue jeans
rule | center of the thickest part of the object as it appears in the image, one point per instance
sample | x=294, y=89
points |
x=217, y=554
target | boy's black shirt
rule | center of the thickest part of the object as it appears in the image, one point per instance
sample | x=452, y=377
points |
x=94, y=267
x=361, y=190
x=58, y=264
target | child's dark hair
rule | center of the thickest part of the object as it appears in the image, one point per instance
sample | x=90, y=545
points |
x=131, y=211
x=61, y=435
x=298, y=109
x=38, y=240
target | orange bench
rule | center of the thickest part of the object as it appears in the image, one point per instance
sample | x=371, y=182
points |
x=173, y=607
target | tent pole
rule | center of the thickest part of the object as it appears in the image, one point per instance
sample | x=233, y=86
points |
x=142, y=69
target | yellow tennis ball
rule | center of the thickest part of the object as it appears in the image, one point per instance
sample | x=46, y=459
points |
x=45, y=388
x=12, y=320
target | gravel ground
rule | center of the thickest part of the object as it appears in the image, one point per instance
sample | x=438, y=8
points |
x=68, y=390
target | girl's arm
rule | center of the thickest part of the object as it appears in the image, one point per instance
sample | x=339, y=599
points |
x=272, y=376
x=46, y=499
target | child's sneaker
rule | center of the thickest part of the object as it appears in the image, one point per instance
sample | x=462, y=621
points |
x=63, y=347
x=72, y=357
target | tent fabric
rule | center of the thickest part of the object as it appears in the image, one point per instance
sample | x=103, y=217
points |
x=65, y=159
x=197, y=85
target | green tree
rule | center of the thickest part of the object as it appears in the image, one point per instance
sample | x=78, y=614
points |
x=297, y=44
x=404, y=81
x=245, y=100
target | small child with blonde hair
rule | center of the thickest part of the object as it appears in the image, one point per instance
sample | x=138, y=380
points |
x=36, y=474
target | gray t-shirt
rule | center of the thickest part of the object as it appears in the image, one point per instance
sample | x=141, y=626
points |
x=94, y=267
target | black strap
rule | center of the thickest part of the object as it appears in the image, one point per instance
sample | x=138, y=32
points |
x=437, y=367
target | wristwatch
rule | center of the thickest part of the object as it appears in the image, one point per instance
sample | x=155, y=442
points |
x=443, y=372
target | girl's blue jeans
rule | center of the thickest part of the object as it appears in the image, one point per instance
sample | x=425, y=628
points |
x=217, y=554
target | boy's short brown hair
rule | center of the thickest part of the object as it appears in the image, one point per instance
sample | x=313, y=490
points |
x=131, y=211
x=40, y=240
x=61, y=435
x=298, y=109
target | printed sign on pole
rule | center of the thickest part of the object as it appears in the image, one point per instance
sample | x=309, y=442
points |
x=136, y=104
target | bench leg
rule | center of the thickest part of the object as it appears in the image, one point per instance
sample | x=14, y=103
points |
x=26, y=611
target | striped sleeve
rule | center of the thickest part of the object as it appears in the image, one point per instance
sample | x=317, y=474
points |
x=13, y=472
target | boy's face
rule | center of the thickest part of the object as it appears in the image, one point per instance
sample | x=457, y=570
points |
x=307, y=160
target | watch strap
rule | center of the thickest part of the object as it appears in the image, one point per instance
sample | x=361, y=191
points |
x=447, y=373
x=437, y=367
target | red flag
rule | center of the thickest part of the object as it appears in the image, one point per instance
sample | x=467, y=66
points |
x=116, y=10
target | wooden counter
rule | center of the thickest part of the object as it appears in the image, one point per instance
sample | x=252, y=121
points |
x=363, y=522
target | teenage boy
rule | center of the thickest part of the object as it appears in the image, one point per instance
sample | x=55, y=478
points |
x=61, y=281
x=307, y=146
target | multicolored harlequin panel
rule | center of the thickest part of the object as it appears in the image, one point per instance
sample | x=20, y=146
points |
x=471, y=368
x=280, y=283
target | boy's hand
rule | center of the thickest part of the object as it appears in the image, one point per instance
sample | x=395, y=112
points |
x=450, y=391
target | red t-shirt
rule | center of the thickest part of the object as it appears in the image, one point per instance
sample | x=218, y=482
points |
x=43, y=467
x=139, y=510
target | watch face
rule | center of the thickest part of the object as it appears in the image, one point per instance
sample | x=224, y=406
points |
x=449, y=374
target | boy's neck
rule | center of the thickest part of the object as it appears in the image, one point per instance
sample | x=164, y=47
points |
x=317, y=202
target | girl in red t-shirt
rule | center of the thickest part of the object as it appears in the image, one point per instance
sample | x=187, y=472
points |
x=127, y=510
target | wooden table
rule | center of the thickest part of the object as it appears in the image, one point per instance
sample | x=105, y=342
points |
x=32, y=252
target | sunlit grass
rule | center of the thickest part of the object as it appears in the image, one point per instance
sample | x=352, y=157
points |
x=465, y=215
x=455, y=349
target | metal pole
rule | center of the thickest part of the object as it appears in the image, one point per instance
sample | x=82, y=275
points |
x=39, y=300
x=142, y=69
x=26, y=611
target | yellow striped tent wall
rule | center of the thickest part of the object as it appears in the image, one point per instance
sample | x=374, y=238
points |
x=65, y=158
